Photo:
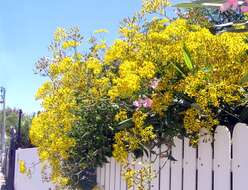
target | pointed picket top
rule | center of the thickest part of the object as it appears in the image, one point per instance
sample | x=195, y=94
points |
x=222, y=158
x=112, y=174
x=117, y=175
x=123, y=181
x=155, y=168
x=204, y=162
x=107, y=175
x=189, y=166
x=138, y=166
x=176, y=166
x=164, y=169
x=98, y=175
x=103, y=175
x=240, y=156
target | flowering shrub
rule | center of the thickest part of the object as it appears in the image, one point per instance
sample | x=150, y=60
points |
x=160, y=80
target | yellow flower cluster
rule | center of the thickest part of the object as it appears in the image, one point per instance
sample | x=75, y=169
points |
x=218, y=66
x=22, y=167
x=151, y=6
x=129, y=140
x=127, y=74
x=121, y=116
x=60, y=34
x=51, y=127
x=70, y=43
x=199, y=121
x=139, y=178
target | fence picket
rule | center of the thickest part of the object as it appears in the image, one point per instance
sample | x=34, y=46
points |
x=102, y=182
x=176, y=166
x=164, y=170
x=107, y=175
x=131, y=162
x=98, y=175
x=204, y=163
x=147, y=161
x=155, y=168
x=112, y=174
x=117, y=176
x=222, y=158
x=240, y=157
x=138, y=166
x=189, y=166
x=123, y=182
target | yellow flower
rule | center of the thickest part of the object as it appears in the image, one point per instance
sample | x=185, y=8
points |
x=22, y=167
x=94, y=65
x=60, y=34
x=70, y=43
x=122, y=115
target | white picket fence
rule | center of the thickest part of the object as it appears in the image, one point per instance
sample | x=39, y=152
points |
x=34, y=181
x=223, y=166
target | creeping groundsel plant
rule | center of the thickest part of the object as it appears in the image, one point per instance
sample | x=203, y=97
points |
x=163, y=78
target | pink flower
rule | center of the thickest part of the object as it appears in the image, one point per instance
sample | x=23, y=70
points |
x=137, y=103
x=154, y=83
x=244, y=9
x=147, y=103
x=229, y=4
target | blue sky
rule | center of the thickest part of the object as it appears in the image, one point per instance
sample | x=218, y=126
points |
x=26, y=29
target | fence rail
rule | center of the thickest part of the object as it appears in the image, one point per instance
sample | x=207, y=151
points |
x=220, y=165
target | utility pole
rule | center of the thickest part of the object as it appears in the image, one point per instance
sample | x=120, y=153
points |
x=3, y=131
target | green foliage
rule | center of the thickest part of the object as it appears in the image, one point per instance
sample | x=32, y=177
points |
x=12, y=121
x=187, y=58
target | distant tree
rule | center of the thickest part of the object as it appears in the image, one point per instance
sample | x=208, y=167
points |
x=25, y=126
x=12, y=121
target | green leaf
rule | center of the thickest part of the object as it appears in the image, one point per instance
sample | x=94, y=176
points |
x=125, y=124
x=200, y=3
x=187, y=58
x=187, y=5
x=178, y=69
x=244, y=115
x=244, y=79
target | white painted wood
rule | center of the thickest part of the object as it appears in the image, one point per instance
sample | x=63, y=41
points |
x=35, y=181
x=164, y=170
x=147, y=163
x=204, y=162
x=123, y=181
x=189, y=166
x=102, y=182
x=117, y=176
x=155, y=168
x=98, y=175
x=138, y=166
x=132, y=165
x=112, y=174
x=222, y=158
x=240, y=157
x=107, y=175
x=176, y=166
x=110, y=177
